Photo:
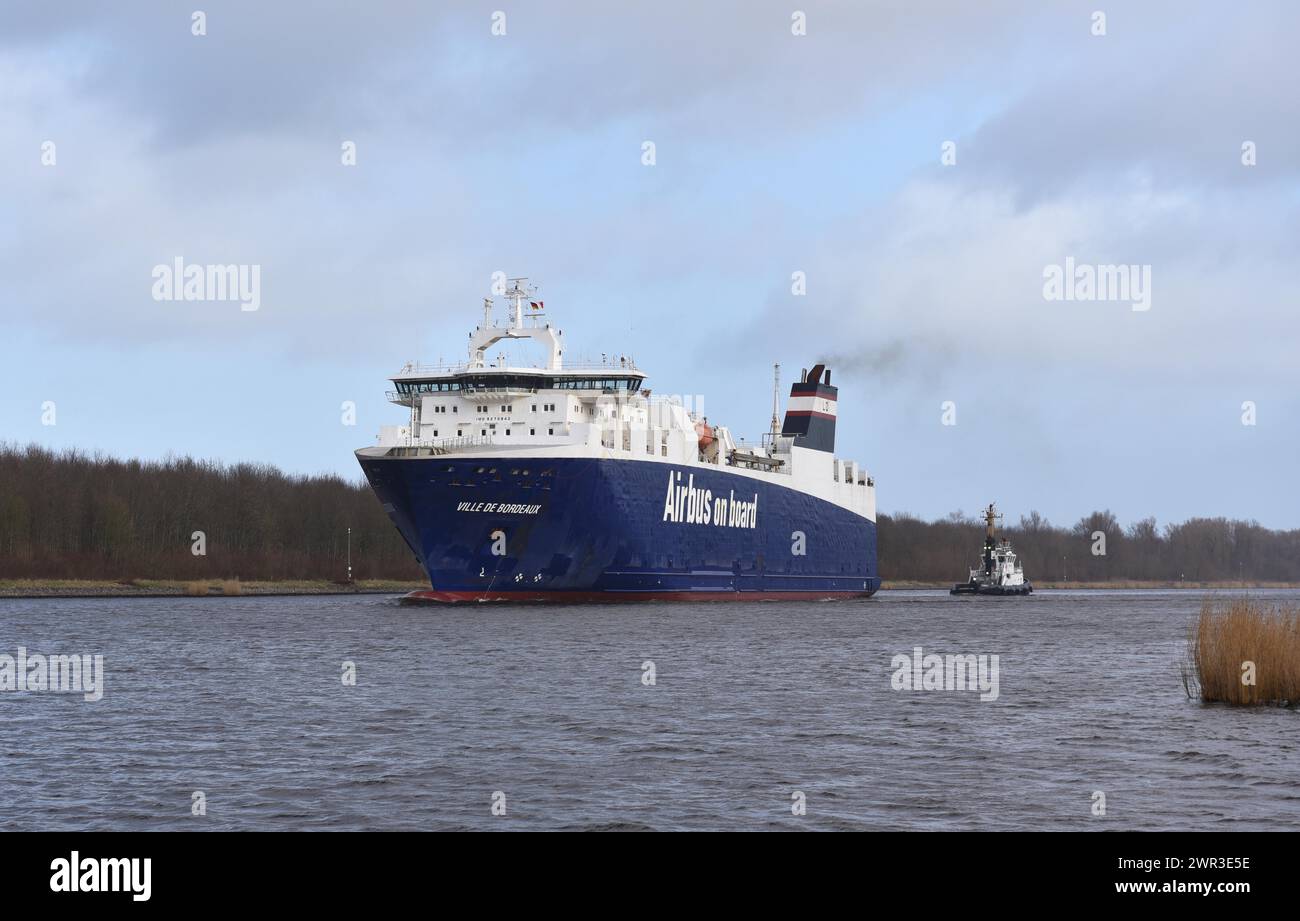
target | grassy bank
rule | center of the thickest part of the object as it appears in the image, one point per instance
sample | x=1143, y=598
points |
x=92, y=588
x=1244, y=652
x=905, y=584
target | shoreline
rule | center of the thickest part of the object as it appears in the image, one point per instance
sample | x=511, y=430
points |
x=223, y=588
x=187, y=588
x=1109, y=585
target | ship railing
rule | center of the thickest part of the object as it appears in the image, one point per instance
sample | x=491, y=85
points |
x=396, y=396
x=432, y=447
x=744, y=456
x=613, y=364
x=494, y=391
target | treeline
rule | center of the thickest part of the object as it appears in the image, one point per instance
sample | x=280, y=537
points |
x=1095, y=549
x=70, y=515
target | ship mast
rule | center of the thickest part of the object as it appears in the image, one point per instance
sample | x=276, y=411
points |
x=520, y=297
x=990, y=516
x=517, y=295
x=776, y=403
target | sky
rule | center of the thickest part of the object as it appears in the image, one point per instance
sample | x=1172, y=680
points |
x=923, y=164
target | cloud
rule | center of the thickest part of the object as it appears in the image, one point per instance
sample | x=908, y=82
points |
x=943, y=273
x=1163, y=96
x=776, y=154
x=224, y=149
x=561, y=67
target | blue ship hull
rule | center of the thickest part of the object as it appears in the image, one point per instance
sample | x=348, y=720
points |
x=579, y=529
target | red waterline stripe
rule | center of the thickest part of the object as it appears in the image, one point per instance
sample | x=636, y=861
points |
x=575, y=597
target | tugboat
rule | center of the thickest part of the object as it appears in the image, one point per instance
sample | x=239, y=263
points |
x=999, y=572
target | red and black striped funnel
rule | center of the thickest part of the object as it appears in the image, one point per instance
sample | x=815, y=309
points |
x=810, y=414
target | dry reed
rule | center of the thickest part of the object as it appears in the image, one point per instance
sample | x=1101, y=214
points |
x=1244, y=652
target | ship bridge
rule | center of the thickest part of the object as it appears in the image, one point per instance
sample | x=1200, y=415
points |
x=489, y=400
x=478, y=379
x=490, y=383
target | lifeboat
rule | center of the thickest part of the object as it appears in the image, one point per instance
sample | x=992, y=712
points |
x=707, y=434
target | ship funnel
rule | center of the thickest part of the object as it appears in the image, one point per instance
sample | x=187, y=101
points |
x=810, y=414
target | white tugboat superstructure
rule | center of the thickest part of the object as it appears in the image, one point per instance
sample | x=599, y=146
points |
x=1000, y=571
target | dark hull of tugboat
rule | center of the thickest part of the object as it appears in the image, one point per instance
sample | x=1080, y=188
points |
x=971, y=588
x=597, y=530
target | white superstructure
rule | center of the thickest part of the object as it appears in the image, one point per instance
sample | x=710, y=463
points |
x=587, y=408
x=1006, y=571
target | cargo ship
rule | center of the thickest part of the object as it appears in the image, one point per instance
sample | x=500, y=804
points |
x=571, y=481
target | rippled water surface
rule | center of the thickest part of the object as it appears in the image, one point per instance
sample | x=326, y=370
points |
x=242, y=698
